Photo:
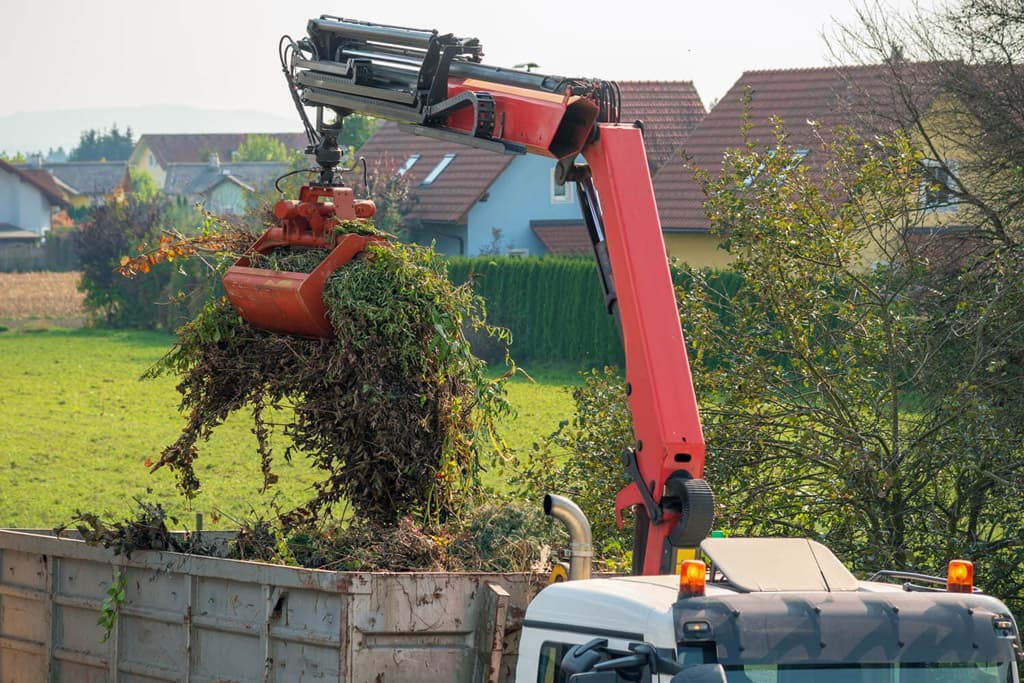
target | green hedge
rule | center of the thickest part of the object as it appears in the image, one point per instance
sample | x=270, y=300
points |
x=554, y=306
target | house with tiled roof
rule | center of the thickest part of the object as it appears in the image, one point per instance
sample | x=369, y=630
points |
x=858, y=97
x=85, y=183
x=447, y=182
x=153, y=153
x=28, y=201
x=470, y=201
x=669, y=110
x=221, y=188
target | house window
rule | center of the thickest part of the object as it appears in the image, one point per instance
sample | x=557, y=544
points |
x=560, y=194
x=409, y=163
x=438, y=170
x=937, y=182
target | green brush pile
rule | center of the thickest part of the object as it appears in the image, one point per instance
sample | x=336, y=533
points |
x=396, y=412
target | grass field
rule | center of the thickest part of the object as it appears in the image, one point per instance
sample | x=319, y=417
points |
x=77, y=425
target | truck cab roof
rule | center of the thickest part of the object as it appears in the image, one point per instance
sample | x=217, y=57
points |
x=784, y=600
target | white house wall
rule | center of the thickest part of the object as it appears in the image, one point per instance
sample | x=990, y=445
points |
x=33, y=209
x=23, y=205
x=226, y=197
x=521, y=194
x=8, y=198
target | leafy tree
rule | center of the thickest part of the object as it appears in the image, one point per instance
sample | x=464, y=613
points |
x=392, y=194
x=846, y=405
x=258, y=147
x=967, y=59
x=126, y=224
x=143, y=187
x=843, y=397
x=114, y=229
x=356, y=130
x=16, y=158
x=957, y=74
x=100, y=145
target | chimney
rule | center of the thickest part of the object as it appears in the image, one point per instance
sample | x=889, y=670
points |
x=214, y=160
x=36, y=160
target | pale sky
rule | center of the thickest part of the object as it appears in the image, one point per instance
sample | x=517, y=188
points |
x=216, y=54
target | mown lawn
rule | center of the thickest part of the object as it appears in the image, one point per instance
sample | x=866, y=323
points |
x=77, y=425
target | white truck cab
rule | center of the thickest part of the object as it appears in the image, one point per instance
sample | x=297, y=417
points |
x=623, y=610
x=771, y=611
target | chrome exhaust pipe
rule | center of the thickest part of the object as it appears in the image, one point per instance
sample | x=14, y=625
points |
x=581, y=550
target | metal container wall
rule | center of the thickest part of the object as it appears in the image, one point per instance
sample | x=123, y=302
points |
x=206, y=620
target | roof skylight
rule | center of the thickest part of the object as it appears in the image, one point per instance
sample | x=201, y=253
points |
x=439, y=169
x=409, y=163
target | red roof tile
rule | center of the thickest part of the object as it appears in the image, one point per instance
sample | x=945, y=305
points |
x=563, y=239
x=669, y=110
x=179, y=148
x=44, y=179
x=450, y=197
x=40, y=179
x=830, y=96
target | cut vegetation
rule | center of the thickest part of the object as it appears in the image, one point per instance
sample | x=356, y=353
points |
x=395, y=411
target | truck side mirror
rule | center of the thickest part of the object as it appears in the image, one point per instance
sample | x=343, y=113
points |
x=583, y=658
x=701, y=673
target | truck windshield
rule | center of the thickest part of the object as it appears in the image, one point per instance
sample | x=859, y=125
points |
x=887, y=673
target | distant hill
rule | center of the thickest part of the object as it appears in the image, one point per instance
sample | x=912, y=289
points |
x=31, y=132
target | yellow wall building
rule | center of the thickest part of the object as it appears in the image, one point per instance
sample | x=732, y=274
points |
x=829, y=97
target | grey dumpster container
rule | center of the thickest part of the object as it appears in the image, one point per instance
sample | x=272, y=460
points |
x=206, y=620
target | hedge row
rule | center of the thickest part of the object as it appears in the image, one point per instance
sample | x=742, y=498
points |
x=555, y=307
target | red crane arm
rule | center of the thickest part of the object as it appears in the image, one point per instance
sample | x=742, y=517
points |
x=666, y=422
x=435, y=84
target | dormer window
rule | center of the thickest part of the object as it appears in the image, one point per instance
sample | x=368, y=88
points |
x=438, y=170
x=937, y=183
x=409, y=163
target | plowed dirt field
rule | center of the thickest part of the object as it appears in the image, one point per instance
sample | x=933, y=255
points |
x=41, y=296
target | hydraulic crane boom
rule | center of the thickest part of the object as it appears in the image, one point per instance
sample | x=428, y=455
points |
x=435, y=85
x=675, y=508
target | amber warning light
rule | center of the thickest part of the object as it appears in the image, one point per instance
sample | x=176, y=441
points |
x=960, y=578
x=691, y=578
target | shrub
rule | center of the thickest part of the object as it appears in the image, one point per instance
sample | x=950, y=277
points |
x=581, y=460
x=124, y=225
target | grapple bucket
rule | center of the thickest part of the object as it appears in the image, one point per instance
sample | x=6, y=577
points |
x=289, y=302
